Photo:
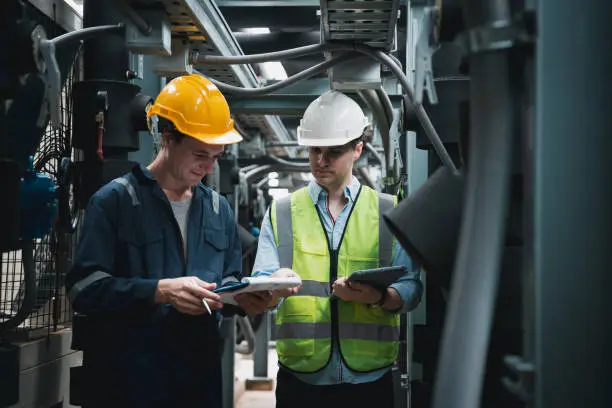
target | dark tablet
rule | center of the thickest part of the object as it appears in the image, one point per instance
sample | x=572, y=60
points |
x=379, y=278
x=232, y=287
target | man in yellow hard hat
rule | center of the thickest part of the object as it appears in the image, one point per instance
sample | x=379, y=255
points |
x=155, y=244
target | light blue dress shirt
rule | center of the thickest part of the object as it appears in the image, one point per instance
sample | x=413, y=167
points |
x=409, y=286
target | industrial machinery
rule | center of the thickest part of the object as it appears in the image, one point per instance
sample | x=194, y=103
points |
x=489, y=127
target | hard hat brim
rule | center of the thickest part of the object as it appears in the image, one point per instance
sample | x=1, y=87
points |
x=324, y=142
x=227, y=138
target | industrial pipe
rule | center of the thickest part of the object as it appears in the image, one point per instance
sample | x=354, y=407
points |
x=249, y=335
x=467, y=325
x=288, y=163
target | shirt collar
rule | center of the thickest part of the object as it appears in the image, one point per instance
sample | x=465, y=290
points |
x=350, y=192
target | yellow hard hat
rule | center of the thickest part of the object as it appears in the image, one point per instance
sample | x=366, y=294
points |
x=197, y=108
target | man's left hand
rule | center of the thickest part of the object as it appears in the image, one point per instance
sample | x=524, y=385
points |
x=254, y=303
x=355, y=292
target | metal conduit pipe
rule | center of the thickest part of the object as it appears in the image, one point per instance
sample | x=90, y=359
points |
x=288, y=163
x=258, y=169
x=245, y=169
x=261, y=182
x=374, y=153
x=248, y=333
x=467, y=326
x=361, y=171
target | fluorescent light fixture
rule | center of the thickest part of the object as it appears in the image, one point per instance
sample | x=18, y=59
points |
x=257, y=30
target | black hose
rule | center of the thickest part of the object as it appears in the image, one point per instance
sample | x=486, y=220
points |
x=267, y=56
x=85, y=33
x=307, y=73
x=386, y=103
x=371, y=98
x=296, y=165
x=467, y=325
x=29, y=278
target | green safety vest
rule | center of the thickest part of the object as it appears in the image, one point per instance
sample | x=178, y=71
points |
x=309, y=322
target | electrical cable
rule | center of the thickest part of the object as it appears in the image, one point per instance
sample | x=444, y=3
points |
x=374, y=153
x=289, y=163
x=386, y=103
x=257, y=170
x=371, y=98
x=267, y=56
x=84, y=33
x=307, y=73
x=378, y=55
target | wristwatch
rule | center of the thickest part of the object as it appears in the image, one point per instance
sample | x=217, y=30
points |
x=381, y=301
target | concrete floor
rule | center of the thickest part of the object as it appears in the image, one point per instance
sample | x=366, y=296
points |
x=243, y=371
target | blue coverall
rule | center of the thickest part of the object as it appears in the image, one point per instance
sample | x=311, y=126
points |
x=137, y=353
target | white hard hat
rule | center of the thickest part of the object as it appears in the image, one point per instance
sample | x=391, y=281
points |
x=333, y=119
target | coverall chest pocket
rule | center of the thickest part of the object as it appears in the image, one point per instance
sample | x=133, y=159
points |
x=141, y=250
x=212, y=254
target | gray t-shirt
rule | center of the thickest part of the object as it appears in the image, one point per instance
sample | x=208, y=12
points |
x=181, y=210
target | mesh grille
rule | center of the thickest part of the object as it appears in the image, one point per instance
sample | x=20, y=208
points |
x=367, y=21
x=52, y=253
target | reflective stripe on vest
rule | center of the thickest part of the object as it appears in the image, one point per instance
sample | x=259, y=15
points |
x=368, y=337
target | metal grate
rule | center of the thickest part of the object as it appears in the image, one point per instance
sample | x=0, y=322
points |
x=184, y=26
x=203, y=26
x=53, y=252
x=371, y=22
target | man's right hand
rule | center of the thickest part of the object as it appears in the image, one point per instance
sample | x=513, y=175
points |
x=285, y=273
x=187, y=293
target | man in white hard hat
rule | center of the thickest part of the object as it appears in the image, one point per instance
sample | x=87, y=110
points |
x=336, y=341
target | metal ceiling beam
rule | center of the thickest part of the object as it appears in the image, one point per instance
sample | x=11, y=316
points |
x=293, y=100
x=279, y=3
x=202, y=23
x=292, y=18
x=292, y=105
x=67, y=14
x=268, y=3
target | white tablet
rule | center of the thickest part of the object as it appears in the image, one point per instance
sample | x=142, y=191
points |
x=259, y=284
